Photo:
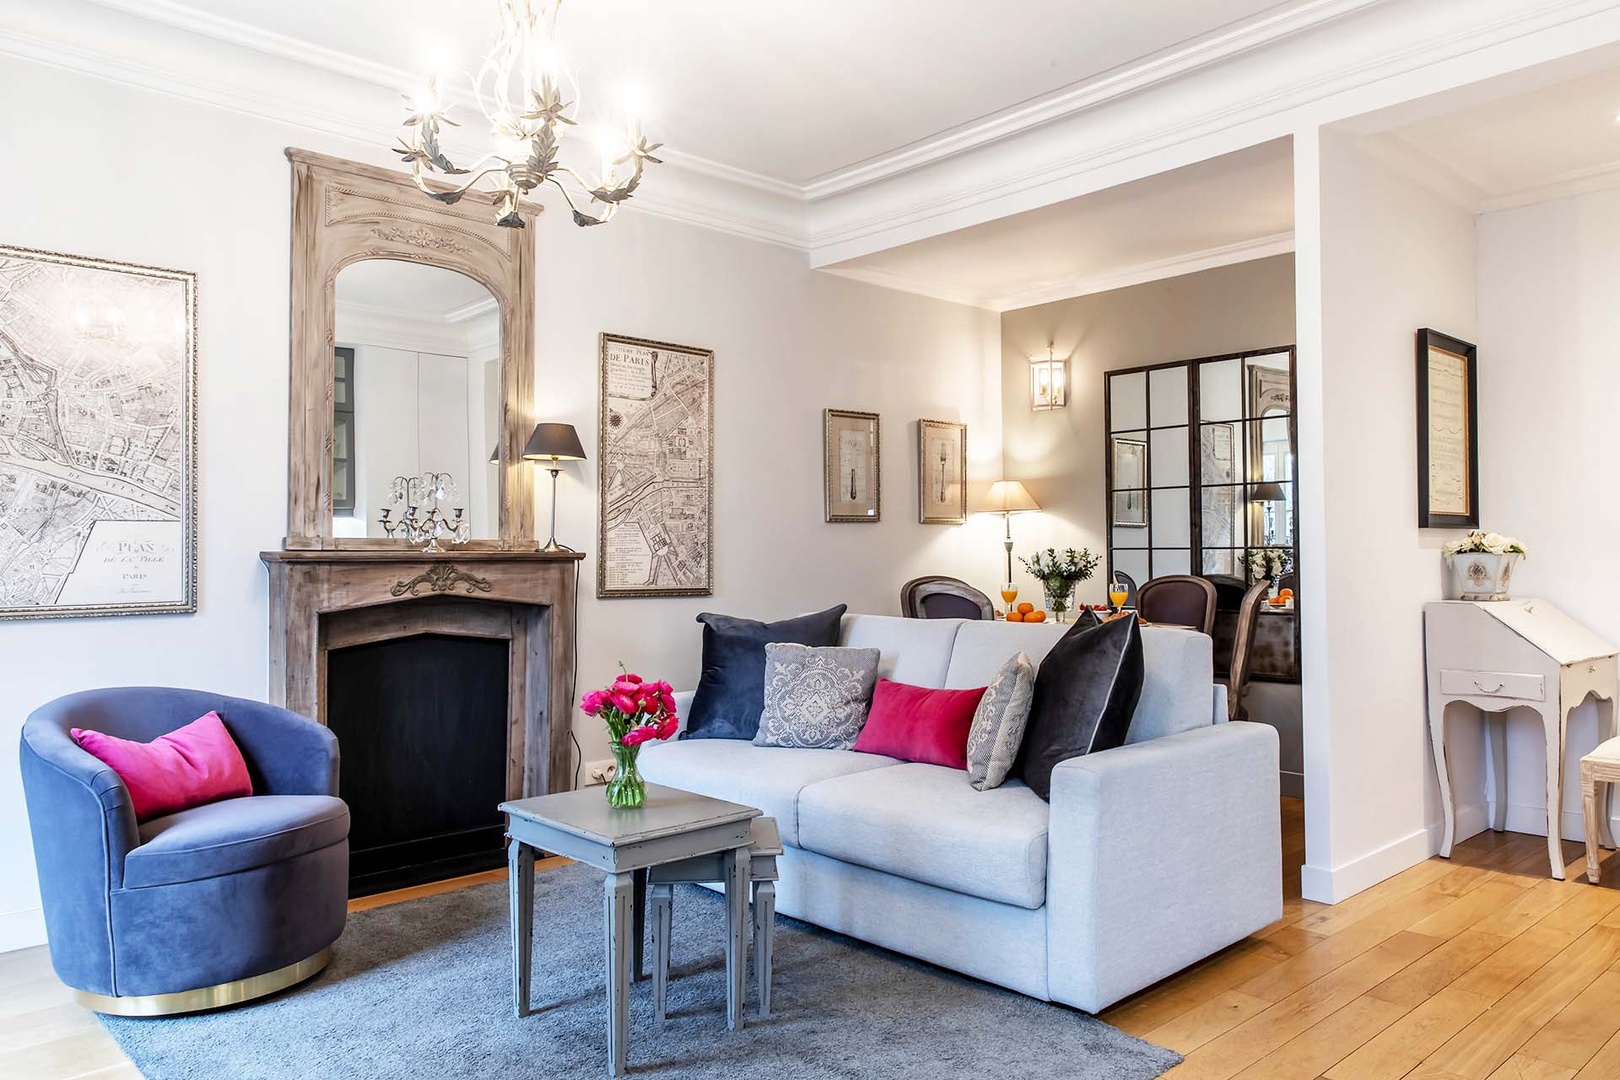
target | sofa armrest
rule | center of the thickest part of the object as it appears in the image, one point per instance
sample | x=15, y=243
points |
x=1159, y=854
x=288, y=754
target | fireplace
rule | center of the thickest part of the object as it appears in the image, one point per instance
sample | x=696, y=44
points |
x=447, y=679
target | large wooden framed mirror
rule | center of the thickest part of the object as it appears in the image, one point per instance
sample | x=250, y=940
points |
x=412, y=357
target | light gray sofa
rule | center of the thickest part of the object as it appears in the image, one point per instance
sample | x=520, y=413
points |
x=1149, y=857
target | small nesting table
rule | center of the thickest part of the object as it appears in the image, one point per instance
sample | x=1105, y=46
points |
x=673, y=826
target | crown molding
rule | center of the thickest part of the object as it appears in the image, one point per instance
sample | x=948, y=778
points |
x=1066, y=288
x=482, y=306
x=1578, y=182
x=409, y=331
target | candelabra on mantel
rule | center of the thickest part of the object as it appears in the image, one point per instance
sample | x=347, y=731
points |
x=414, y=511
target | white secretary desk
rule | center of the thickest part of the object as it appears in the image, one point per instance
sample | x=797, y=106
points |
x=1506, y=654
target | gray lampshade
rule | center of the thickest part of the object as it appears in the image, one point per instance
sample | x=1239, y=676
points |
x=1269, y=491
x=495, y=454
x=554, y=442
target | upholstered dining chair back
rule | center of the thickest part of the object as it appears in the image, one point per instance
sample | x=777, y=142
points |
x=941, y=597
x=1248, y=625
x=1178, y=600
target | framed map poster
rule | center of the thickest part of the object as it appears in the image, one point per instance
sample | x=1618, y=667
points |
x=655, y=520
x=1447, y=423
x=98, y=437
x=852, y=479
x=941, y=472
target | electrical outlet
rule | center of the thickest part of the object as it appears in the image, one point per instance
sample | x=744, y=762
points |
x=599, y=772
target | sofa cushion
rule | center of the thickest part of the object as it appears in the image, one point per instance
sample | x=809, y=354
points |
x=915, y=651
x=926, y=823
x=815, y=699
x=997, y=730
x=731, y=687
x=1085, y=695
x=189, y=766
x=767, y=777
x=918, y=723
x=234, y=835
x=1178, y=670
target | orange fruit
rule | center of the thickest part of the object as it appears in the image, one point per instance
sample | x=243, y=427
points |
x=1277, y=601
x=1015, y=616
x=1026, y=608
x=1286, y=594
x=1035, y=616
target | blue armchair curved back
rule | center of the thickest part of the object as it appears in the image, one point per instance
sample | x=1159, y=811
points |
x=81, y=818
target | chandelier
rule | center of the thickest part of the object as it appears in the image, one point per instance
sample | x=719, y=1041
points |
x=529, y=102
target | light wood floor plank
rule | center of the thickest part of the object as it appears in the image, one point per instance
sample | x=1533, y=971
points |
x=1404, y=1045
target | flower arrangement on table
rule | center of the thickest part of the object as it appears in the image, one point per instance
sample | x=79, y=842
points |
x=1480, y=542
x=1270, y=562
x=635, y=711
x=1059, y=573
x=1483, y=563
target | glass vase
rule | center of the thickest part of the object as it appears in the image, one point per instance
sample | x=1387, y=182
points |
x=1059, y=597
x=626, y=790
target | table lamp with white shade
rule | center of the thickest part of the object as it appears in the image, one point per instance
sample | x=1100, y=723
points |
x=1005, y=497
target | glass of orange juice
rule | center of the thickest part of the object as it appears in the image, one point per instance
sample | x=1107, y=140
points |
x=1117, y=594
x=1009, y=593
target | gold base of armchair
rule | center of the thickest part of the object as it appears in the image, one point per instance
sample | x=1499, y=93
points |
x=206, y=997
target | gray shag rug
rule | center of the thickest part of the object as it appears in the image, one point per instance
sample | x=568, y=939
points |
x=423, y=990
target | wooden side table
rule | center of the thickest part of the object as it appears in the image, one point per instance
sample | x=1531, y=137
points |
x=707, y=869
x=1600, y=767
x=672, y=826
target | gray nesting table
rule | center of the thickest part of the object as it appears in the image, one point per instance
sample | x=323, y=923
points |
x=625, y=844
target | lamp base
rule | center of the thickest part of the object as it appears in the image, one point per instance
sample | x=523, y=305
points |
x=551, y=547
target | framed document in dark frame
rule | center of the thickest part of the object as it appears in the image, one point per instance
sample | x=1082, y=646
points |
x=1447, y=432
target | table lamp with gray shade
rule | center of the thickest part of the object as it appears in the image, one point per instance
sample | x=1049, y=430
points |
x=1005, y=497
x=553, y=444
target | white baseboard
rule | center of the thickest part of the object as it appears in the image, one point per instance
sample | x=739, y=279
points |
x=1533, y=820
x=1331, y=885
x=22, y=929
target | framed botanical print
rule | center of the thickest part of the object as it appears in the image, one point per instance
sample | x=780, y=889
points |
x=852, y=476
x=941, y=472
x=1447, y=432
x=1130, y=482
x=98, y=437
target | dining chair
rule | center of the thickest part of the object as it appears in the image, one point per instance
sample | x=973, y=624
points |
x=1248, y=625
x=1178, y=600
x=939, y=597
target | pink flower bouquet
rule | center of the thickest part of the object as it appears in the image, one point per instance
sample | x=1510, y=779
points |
x=635, y=711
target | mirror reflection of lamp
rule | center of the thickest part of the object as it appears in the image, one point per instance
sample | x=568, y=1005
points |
x=1268, y=493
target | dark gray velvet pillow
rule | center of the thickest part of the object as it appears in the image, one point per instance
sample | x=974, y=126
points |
x=1085, y=695
x=731, y=690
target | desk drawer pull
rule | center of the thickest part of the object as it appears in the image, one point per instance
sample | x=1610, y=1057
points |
x=1504, y=684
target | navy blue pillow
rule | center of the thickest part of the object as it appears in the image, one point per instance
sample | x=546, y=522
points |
x=731, y=691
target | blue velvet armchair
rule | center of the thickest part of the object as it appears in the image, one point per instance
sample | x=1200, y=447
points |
x=207, y=907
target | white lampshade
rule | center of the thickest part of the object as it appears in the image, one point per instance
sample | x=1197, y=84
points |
x=1004, y=497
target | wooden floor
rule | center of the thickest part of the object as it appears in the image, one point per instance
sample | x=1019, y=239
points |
x=1477, y=968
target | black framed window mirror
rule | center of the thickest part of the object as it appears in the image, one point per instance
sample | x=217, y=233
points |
x=1200, y=462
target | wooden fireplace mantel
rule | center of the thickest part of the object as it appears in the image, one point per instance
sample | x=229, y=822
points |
x=321, y=599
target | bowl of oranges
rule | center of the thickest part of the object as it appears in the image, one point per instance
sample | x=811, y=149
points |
x=1284, y=598
x=1025, y=613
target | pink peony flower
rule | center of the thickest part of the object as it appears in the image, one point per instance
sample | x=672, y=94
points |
x=638, y=735
x=631, y=679
x=592, y=703
x=669, y=728
x=623, y=703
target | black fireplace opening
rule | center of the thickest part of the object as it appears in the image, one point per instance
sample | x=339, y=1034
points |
x=422, y=725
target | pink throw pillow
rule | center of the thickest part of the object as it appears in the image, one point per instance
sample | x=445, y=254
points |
x=915, y=723
x=190, y=766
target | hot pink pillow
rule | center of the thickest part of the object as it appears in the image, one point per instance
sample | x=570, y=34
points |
x=188, y=767
x=914, y=723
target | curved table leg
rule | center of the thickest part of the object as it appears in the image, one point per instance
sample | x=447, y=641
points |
x=1553, y=720
x=1607, y=727
x=1496, y=727
x=1437, y=738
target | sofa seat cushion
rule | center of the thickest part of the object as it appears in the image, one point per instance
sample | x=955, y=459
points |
x=234, y=835
x=767, y=777
x=926, y=823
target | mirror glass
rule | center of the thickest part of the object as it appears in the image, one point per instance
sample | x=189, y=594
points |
x=416, y=375
x=1127, y=401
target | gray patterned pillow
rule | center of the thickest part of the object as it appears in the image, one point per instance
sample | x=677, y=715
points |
x=998, y=723
x=816, y=698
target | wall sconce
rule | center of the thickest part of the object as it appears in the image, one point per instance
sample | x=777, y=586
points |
x=1048, y=382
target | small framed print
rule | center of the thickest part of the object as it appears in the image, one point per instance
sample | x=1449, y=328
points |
x=852, y=476
x=941, y=472
x=1447, y=432
x=1130, y=482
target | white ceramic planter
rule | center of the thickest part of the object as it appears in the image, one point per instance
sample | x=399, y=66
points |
x=1481, y=575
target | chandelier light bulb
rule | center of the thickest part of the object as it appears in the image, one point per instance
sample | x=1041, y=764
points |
x=530, y=104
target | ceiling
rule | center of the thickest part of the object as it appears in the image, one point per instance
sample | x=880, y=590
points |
x=412, y=289
x=1546, y=132
x=1227, y=209
x=790, y=91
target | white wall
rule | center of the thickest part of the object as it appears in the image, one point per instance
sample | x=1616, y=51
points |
x=1548, y=383
x=206, y=190
x=1392, y=257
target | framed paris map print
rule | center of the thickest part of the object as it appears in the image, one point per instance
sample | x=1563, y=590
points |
x=941, y=472
x=98, y=437
x=852, y=476
x=655, y=520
